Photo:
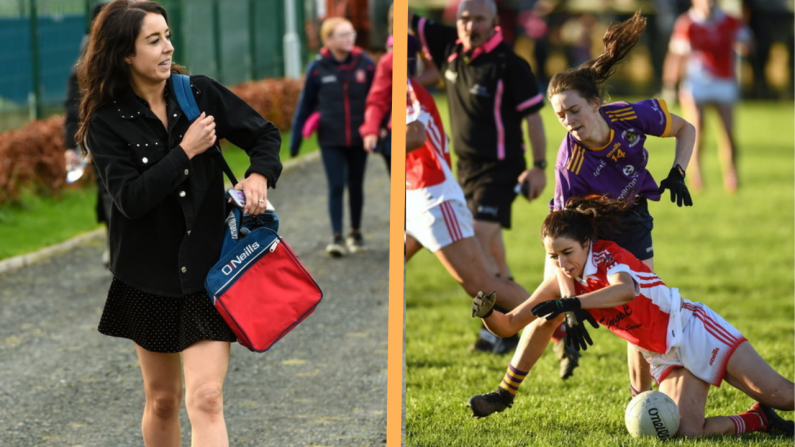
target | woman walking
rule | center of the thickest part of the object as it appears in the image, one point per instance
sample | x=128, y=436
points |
x=337, y=83
x=168, y=211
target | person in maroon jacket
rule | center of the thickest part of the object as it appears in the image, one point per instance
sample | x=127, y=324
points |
x=337, y=83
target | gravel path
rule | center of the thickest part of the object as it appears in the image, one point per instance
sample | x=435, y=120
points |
x=64, y=384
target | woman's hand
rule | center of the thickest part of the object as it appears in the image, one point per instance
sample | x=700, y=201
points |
x=553, y=308
x=370, y=141
x=483, y=305
x=200, y=136
x=255, y=187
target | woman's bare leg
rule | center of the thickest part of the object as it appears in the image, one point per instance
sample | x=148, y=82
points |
x=162, y=374
x=206, y=363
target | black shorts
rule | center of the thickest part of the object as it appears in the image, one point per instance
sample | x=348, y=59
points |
x=489, y=188
x=634, y=231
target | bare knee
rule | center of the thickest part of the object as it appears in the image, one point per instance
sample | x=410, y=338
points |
x=473, y=287
x=164, y=405
x=206, y=398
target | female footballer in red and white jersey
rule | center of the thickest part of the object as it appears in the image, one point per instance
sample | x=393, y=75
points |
x=688, y=346
x=704, y=42
x=437, y=217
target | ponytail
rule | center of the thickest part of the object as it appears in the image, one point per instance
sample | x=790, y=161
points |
x=587, y=79
x=584, y=218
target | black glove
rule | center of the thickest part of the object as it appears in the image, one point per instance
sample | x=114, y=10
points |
x=483, y=305
x=675, y=182
x=553, y=308
x=576, y=333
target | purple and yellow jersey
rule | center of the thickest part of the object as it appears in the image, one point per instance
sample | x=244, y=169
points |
x=619, y=168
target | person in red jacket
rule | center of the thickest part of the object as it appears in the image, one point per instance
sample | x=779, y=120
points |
x=376, y=131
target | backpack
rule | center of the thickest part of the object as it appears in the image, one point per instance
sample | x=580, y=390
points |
x=259, y=286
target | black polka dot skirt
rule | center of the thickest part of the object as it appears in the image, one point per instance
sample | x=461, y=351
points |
x=161, y=323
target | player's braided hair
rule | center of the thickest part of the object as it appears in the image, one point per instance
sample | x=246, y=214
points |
x=584, y=218
x=587, y=79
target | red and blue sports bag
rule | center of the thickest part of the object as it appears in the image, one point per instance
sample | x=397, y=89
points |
x=258, y=285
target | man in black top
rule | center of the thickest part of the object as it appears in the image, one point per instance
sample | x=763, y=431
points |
x=490, y=92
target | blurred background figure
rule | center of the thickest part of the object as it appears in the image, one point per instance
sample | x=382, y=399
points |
x=772, y=23
x=701, y=54
x=333, y=102
x=377, y=128
x=72, y=152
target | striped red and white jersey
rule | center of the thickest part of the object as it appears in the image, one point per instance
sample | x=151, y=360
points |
x=429, y=179
x=650, y=320
x=710, y=42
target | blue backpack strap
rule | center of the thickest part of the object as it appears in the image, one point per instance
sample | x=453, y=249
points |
x=185, y=98
x=187, y=102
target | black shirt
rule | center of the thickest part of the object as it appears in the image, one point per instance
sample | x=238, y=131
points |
x=168, y=211
x=490, y=90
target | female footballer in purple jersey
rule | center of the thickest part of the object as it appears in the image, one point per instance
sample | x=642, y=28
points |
x=603, y=153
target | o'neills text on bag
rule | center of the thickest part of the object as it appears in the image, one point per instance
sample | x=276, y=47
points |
x=247, y=252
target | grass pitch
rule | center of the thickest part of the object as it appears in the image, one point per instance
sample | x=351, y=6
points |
x=732, y=252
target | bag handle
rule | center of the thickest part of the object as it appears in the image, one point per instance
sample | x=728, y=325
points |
x=187, y=102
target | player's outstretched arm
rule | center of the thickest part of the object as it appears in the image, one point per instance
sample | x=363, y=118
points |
x=507, y=324
x=685, y=135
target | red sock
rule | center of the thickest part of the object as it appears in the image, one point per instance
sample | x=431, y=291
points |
x=747, y=423
x=559, y=333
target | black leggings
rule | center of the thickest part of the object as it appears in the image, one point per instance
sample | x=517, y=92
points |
x=345, y=166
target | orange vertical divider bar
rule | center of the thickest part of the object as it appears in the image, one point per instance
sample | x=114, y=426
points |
x=394, y=398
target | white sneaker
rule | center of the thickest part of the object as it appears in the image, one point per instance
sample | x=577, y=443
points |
x=336, y=249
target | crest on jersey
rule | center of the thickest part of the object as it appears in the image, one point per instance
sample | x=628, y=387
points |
x=629, y=170
x=631, y=136
x=361, y=76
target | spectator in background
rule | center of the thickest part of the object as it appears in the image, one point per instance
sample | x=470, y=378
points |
x=334, y=95
x=377, y=128
x=72, y=153
x=704, y=42
x=770, y=21
x=658, y=33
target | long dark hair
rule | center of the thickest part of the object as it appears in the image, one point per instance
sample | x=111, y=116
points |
x=584, y=218
x=101, y=71
x=587, y=79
